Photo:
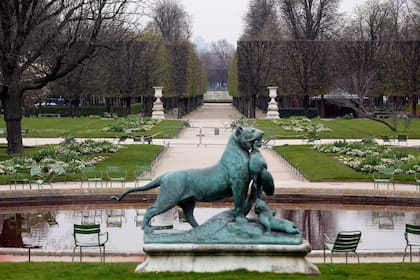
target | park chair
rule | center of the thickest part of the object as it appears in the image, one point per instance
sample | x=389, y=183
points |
x=89, y=236
x=21, y=175
x=402, y=138
x=384, y=176
x=386, y=139
x=417, y=180
x=412, y=238
x=116, y=174
x=45, y=178
x=91, y=175
x=312, y=137
x=142, y=173
x=345, y=242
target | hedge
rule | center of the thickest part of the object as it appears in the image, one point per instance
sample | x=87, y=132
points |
x=66, y=111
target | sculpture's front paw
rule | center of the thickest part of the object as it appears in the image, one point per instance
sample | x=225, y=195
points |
x=240, y=220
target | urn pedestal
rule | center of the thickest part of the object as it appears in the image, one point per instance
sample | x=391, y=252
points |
x=157, y=110
x=273, y=108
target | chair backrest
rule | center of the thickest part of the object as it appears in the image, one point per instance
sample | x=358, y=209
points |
x=89, y=170
x=347, y=241
x=142, y=170
x=82, y=233
x=114, y=169
x=411, y=231
x=386, y=171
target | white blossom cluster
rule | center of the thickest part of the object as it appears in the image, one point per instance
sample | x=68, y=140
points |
x=301, y=124
x=71, y=157
x=368, y=156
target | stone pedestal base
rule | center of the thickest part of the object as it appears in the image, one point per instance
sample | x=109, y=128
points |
x=227, y=257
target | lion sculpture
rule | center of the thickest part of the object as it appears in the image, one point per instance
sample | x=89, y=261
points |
x=230, y=176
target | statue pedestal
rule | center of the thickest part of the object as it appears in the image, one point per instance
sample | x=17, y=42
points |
x=187, y=257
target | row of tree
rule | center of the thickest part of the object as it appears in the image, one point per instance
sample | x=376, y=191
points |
x=352, y=71
x=128, y=71
x=95, y=50
x=307, y=48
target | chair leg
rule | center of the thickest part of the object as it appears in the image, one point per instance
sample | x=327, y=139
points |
x=74, y=252
x=411, y=257
x=324, y=254
x=405, y=251
x=80, y=254
x=347, y=255
x=358, y=260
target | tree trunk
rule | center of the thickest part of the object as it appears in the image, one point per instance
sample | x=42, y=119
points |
x=413, y=102
x=306, y=105
x=12, y=105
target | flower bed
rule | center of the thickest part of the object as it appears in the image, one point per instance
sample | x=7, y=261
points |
x=130, y=124
x=72, y=157
x=300, y=124
x=367, y=156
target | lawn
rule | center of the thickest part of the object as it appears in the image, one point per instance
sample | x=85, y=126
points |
x=86, y=271
x=344, y=129
x=86, y=127
x=317, y=166
x=127, y=158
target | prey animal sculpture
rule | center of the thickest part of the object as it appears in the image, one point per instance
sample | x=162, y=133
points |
x=262, y=180
x=230, y=176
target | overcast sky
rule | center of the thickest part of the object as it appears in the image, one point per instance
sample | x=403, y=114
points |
x=214, y=20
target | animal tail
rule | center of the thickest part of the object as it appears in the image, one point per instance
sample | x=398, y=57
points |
x=151, y=185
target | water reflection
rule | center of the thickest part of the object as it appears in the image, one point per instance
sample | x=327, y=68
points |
x=52, y=230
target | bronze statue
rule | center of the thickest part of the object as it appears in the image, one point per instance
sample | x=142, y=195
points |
x=229, y=177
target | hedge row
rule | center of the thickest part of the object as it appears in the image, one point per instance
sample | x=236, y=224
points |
x=68, y=111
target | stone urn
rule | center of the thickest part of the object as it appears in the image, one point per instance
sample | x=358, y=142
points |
x=273, y=108
x=157, y=110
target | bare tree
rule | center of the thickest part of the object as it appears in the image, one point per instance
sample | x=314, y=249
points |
x=217, y=62
x=309, y=19
x=42, y=41
x=171, y=20
x=261, y=21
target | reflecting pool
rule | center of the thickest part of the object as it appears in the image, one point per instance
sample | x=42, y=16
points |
x=382, y=228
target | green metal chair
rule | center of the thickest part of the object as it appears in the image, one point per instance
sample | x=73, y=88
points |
x=412, y=238
x=89, y=236
x=417, y=180
x=383, y=176
x=142, y=173
x=402, y=138
x=21, y=176
x=116, y=174
x=345, y=242
x=41, y=178
x=91, y=175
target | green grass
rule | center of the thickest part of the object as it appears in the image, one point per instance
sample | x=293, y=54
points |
x=131, y=156
x=127, y=158
x=86, y=127
x=348, y=129
x=317, y=166
x=86, y=271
